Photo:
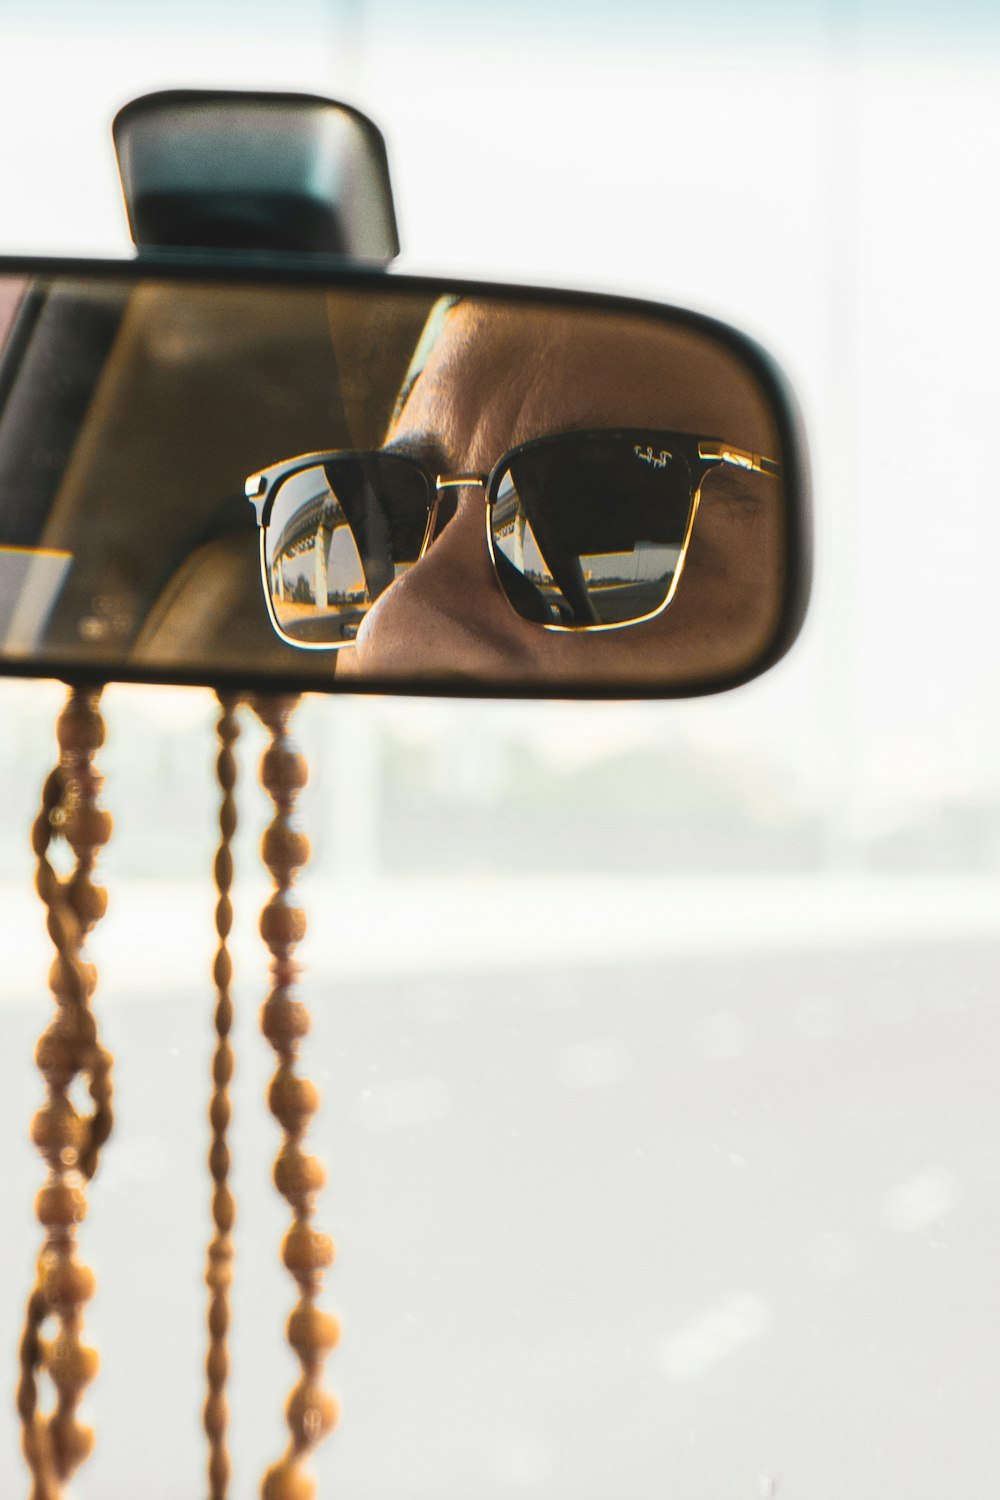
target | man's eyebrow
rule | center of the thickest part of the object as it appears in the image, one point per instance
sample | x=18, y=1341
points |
x=425, y=449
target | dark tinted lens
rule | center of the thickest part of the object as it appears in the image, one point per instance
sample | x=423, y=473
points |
x=590, y=528
x=338, y=534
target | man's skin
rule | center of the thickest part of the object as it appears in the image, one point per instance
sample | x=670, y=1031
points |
x=499, y=375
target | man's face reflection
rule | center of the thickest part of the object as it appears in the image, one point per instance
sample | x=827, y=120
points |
x=499, y=375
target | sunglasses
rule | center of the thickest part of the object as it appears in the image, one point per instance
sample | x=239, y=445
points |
x=586, y=530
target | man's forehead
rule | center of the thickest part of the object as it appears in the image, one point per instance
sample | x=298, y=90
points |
x=499, y=375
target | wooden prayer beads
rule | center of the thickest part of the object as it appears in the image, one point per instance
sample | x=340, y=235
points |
x=219, y=1270
x=70, y=1143
x=54, y=1445
x=311, y=1412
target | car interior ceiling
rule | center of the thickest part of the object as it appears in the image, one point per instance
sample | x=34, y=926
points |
x=166, y=397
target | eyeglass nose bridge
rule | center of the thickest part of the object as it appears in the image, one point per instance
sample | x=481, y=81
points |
x=457, y=481
x=448, y=482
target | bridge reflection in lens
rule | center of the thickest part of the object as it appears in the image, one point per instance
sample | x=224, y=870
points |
x=339, y=533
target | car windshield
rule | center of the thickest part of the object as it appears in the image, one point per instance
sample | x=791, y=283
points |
x=656, y=1041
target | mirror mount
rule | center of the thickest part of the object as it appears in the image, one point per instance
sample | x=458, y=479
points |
x=233, y=172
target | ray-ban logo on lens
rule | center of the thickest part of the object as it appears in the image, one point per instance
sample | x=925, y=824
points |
x=649, y=457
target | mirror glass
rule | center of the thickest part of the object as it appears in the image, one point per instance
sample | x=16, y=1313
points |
x=374, y=483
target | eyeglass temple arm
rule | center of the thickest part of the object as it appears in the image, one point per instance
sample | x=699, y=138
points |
x=740, y=458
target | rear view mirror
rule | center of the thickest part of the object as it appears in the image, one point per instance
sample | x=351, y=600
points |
x=315, y=480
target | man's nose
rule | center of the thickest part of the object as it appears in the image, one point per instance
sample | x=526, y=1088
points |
x=447, y=614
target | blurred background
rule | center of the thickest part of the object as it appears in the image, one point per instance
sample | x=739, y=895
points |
x=656, y=1040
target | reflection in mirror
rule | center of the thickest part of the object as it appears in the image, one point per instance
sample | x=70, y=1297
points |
x=590, y=528
x=338, y=534
x=467, y=489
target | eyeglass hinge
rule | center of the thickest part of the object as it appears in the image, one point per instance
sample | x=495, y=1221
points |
x=740, y=458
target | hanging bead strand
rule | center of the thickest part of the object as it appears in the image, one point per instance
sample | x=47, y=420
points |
x=219, y=1268
x=70, y=1142
x=311, y=1412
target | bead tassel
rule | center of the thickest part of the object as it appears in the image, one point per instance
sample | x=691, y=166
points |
x=311, y=1412
x=219, y=1268
x=54, y=1445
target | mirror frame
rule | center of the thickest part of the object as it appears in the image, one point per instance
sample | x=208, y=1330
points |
x=317, y=272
